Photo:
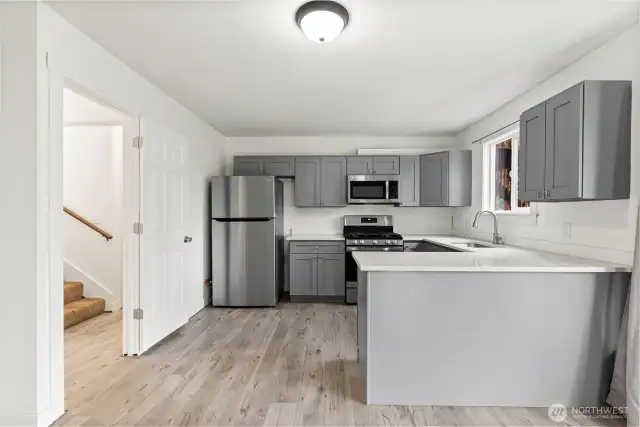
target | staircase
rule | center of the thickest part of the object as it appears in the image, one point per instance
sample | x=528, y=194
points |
x=77, y=308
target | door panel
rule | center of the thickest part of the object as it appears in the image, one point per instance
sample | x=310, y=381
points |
x=163, y=251
x=359, y=165
x=247, y=166
x=243, y=197
x=307, y=186
x=531, y=155
x=564, y=145
x=434, y=179
x=331, y=277
x=279, y=166
x=244, y=263
x=333, y=189
x=410, y=180
x=303, y=277
x=386, y=165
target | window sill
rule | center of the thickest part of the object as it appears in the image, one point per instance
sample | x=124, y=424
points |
x=507, y=213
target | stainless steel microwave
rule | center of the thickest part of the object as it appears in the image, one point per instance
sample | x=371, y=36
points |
x=373, y=189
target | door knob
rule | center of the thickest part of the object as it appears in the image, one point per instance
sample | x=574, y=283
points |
x=187, y=239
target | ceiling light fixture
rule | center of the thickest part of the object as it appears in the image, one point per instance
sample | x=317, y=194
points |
x=322, y=21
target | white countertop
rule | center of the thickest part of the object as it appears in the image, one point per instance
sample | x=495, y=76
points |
x=496, y=259
x=315, y=237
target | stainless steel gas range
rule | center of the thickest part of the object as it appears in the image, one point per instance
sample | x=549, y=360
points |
x=366, y=233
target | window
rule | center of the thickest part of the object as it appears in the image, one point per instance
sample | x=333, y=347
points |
x=501, y=175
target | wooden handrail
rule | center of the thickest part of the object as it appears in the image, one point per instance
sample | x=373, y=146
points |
x=88, y=223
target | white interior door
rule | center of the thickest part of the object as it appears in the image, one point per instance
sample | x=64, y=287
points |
x=163, y=246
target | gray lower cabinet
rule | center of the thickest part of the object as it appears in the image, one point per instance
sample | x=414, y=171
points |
x=331, y=275
x=303, y=274
x=577, y=144
x=321, y=181
x=283, y=166
x=409, y=181
x=378, y=165
x=318, y=274
x=445, y=178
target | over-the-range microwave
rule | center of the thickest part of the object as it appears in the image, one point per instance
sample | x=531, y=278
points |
x=373, y=189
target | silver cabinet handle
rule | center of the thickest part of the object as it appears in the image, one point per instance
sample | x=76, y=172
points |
x=538, y=194
x=187, y=239
x=547, y=193
x=314, y=257
x=319, y=257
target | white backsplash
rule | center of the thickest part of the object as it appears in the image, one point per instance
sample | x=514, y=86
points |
x=330, y=220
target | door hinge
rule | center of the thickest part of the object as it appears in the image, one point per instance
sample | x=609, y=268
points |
x=138, y=313
x=138, y=142
x=138, y=228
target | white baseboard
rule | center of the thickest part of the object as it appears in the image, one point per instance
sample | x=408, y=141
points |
x=92, y=288
x=11, y=420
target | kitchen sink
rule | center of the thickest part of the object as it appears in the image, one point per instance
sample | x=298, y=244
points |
x=475, y=245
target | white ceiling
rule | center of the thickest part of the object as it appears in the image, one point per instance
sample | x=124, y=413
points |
x=402, y=67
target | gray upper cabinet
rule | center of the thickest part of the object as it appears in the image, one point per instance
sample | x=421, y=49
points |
x=379, y=165
x=333, y=188
x=283, y=166
x=578, y=144
x=359, y=165
x=531, y=157
x=279, y=166
x=321, y=181
x=307, y=185
x=303, y=274
x=409, y=180
x=445, y=178
x=247, y=166
x=386, y=165
x=331, y=278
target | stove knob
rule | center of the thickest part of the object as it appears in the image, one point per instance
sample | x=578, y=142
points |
x=389, y=242
x=362, y=242
x=375, y=242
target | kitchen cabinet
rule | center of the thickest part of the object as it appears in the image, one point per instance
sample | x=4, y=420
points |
x=319, y=274
x=303, y=274
x=320, y=181
x=577, y=144
x=409, y=181
x=283, y=166
x=445, y=178
x=378, y=165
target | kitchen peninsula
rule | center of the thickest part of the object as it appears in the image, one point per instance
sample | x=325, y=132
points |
x=487, y=326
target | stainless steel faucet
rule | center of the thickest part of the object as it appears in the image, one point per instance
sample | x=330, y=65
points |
x=497, y=240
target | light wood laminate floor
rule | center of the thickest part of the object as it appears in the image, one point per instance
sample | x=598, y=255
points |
x=293, y=365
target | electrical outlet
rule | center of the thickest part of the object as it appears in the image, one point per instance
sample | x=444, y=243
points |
x=566, y=231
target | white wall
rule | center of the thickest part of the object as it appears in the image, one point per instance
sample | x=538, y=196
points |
x=599, y=230
x=329, y=220
x=31, y=386
x=93, y=174
x=19, y=257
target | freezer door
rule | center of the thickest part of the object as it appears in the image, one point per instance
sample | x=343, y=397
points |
x=244, y=263
x=243, y=197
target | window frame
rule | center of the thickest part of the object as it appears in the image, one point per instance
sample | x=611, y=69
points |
x=488, y=176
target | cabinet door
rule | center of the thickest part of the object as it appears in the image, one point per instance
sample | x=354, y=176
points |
x=334, y=181
x=279, y=166
x=434, y=179
x=386, y=165
x=331, y=279
x=303, y=274
x=410, y=180
x=247, y=166
x=359, y=165
x=531, y=154
x=563, y=172
x=307, y=184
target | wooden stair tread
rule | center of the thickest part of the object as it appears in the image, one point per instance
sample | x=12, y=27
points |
x=82, y=309
x=73, y=291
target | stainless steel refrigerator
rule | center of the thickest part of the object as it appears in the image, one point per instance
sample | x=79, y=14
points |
x=247, y=241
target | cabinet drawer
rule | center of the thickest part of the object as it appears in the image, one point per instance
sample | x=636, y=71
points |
x=325, y=247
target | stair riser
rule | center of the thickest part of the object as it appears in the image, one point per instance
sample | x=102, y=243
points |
x=73, y=292
x=85, y=309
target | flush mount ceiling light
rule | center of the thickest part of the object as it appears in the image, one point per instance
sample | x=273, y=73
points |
x=322, y=21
